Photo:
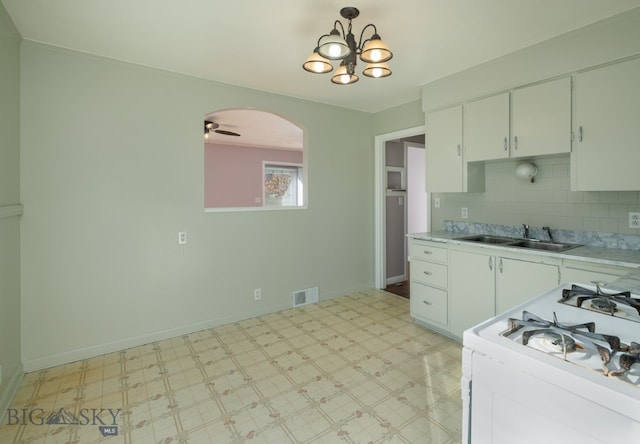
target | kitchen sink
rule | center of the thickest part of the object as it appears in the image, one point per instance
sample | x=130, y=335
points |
x=539, y=245
x=519, y=243
x=487, y=239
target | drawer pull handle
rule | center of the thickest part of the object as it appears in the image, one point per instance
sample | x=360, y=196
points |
x=428, y=252
x=428, y=273
x=427, y=303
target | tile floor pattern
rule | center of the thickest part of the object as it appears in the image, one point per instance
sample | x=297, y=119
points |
x=354, y=369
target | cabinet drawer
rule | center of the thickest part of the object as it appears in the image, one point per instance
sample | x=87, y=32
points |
x=428, y=303
x=426, y=251
x=429, y=273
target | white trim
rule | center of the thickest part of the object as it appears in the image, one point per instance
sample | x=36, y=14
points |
x=78, y=354
x=261, y=208
x=380, y=193
x=10, y=390
x=40, y=363
x=396, y=279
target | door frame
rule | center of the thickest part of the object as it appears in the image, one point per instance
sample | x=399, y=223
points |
x=380, y=271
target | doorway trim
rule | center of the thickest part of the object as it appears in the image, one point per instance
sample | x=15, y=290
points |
x=380, y=271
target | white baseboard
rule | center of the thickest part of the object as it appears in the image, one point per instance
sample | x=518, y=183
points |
x=35, y=364
x=43, y=362
x=396, y=279
x=9, y=390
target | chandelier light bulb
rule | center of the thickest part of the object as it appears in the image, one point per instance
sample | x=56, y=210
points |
x=335, y=50
x=376, y=55
x=377, y=70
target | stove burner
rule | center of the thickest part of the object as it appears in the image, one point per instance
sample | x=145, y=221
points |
x=606, y=345
x=559, y=342
x=600, y=301
x=604, y=305
x=627, y=360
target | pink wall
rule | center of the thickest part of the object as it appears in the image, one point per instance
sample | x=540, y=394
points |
x=233, y=174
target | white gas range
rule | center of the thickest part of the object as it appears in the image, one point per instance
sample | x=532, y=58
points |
x=563, y=367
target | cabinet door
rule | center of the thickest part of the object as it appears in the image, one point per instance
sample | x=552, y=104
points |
x=606, y=154
x=587, y=273
x=518, y=281
x=444, y=150
x=541, y=119
x=471, y=290
x=486, y=128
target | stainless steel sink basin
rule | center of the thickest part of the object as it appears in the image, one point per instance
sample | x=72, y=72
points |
x=487, y=239
x=518, y=243
x=538, y=245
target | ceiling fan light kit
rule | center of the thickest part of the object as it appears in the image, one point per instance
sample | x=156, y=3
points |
x=341, y=45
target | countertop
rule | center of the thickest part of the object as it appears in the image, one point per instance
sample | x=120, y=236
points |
x=606, y=256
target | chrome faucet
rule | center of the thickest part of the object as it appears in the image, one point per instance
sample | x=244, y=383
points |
x=548, y=230
x=526, y=231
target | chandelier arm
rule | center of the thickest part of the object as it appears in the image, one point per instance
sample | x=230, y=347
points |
x=361, y=43
x=338, y=22
x=320, y=38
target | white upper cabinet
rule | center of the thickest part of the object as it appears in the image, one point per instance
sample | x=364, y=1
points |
x=606, y=155
x=541, y=119
x=486, y=128
x=538, y=122
x=446, y=169
x=444, y=150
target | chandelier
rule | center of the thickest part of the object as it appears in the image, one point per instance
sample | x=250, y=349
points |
x=338, y=45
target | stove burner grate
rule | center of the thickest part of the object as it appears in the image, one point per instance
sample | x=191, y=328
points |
x=600, y=301
x=564, y=337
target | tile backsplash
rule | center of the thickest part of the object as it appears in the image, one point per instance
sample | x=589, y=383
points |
x=509, y=201
x=588, y=238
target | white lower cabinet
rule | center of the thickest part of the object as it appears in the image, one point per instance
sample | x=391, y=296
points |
x=589, y=272
x=472, y=289
x=518, y=281
x=482, y=285
x=428, y=285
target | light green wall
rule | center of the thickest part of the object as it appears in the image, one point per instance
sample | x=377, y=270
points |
x=113, y=170
x=409, y=115
x=9, y=201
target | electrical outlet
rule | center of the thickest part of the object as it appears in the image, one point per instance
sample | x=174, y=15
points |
x=436, y=202
x=634, y=220
x=464, y=213
x=182, y=237
x=257, y=294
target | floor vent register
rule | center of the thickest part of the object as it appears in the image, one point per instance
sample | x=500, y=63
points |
x=304, y=297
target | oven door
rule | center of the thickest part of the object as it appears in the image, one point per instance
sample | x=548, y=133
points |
x=506, y=405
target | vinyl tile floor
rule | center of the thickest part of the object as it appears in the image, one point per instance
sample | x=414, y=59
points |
x=354, y=369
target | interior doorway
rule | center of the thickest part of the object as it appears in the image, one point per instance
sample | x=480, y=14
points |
x=395, y=177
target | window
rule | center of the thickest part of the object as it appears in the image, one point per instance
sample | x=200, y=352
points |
x=282, y=185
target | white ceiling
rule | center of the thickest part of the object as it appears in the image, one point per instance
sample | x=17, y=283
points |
x=257, y=129
x=262, y=44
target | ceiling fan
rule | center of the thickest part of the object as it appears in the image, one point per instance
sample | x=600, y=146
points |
x=210, y=126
